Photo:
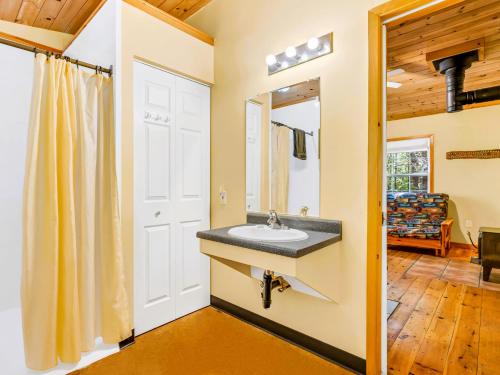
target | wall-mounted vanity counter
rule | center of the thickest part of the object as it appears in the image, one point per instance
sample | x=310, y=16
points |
x=320, y=233
x=303, y=263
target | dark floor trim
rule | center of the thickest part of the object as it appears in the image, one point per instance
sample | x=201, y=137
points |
x=331, y=353
x=128, y=341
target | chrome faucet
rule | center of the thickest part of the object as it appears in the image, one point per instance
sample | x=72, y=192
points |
x=274, y=221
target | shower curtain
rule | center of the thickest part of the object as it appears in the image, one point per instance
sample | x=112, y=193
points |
x=280, y=157
x=73, y=287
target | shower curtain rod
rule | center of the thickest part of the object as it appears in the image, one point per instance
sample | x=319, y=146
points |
x=311, y=133
x=49, y=53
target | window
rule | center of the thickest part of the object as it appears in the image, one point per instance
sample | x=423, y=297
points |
x=409, y=165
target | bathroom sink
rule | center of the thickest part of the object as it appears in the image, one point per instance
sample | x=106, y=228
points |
x=264, y=233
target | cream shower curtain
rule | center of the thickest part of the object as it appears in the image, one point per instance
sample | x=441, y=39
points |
x=73, y=287
x=280, y=158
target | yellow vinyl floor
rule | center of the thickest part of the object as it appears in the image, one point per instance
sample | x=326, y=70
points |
x=211, y=342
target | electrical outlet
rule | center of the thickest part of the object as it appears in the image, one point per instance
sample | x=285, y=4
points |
x=468, y=223
x=222, y=195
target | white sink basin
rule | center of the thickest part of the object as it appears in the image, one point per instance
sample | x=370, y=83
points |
x=264, y=233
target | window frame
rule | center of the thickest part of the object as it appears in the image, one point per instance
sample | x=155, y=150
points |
x=430, y=174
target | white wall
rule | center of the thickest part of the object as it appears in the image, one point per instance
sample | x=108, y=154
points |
x=98, y=44
x=303, y=174
x=16, y=75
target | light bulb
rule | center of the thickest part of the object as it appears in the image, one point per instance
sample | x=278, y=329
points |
x=284, y=65
x=270, y=60
x=291, y=52
x=313, y=44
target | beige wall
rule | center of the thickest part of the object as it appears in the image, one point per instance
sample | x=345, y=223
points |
x=49, y=38
x=245, y=32
x=149, y=39
x=473, y=185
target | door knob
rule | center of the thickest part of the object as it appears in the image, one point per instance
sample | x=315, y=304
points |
x=157, y=213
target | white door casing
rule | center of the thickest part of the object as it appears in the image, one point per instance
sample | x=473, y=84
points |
x=253, y=155
x=171, y=196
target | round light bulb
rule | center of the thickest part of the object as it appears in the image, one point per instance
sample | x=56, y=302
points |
x=313, y=43
x=291, y=52
x=284, y=65
x=271, y=60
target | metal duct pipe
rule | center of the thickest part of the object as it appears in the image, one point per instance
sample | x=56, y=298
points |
x=454, y=68
x=478, y=96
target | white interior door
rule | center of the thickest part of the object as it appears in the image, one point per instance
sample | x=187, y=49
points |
x=253, y=155
x=171, y=197
x=192, y=210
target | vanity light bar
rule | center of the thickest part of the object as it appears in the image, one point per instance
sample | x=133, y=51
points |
x=312, y=49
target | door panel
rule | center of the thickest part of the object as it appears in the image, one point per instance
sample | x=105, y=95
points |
x=154, y=119
x=158, y=258
x=191, y=262
x=171, y=196
x=193, y=195
x=158, y=162
x=192, y=163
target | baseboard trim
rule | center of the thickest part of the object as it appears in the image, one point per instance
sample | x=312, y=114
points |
x=128, y=341
x=320, y=348
x=460, y=245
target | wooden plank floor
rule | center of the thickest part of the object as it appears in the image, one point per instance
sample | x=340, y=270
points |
x=447, y=320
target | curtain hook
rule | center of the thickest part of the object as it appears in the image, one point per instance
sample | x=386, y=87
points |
x=77, y=65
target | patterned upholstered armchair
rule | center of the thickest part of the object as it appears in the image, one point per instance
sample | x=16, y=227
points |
x=419, y=220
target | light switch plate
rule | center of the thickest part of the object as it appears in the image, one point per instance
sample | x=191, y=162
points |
x=468, y=223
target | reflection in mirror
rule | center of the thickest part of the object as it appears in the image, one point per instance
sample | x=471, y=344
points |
x=282, y=150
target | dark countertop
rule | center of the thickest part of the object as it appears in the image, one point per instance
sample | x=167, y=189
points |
x=294, y=249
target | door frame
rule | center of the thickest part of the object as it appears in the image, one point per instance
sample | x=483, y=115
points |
x=379, y=16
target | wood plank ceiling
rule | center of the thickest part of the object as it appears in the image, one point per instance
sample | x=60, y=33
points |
x=423, y=90
x=298, y=93
x=69, y=15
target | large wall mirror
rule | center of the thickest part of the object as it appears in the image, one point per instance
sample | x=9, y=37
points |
x=282, y=150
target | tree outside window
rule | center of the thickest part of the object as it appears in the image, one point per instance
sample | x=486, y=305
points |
x=408, y=172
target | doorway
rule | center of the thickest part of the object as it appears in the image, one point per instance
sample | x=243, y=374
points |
x=418, y=185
